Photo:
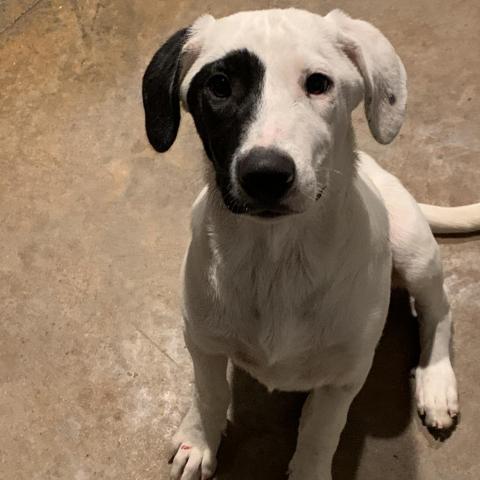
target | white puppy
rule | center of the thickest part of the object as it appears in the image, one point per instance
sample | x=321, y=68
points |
x=294, y=238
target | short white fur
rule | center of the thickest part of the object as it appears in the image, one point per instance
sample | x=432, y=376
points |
x=300, y=303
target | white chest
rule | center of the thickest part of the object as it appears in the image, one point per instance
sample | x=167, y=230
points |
x=292, y=326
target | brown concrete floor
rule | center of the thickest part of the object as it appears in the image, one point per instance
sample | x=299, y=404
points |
x=93, y=372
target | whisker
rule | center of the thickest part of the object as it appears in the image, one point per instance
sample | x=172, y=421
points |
x=333, y=170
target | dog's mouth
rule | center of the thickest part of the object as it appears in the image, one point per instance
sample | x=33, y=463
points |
x=270, y=214
x=266, y=212
x=262, y=211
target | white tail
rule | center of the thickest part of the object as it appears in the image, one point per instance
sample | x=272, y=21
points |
x=464, y=219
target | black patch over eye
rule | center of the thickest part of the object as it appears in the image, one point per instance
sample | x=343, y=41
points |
x=219, y=85
x=317, y=83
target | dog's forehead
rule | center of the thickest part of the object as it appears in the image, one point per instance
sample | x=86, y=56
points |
x=269, y=34
x=264, y=29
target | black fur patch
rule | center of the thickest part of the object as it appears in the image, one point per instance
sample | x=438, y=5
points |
x=160, y=90
x=222, y=122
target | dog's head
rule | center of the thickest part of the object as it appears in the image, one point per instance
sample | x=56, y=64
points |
x=271, y=93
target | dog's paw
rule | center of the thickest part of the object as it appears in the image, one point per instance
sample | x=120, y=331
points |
x=193, y=449
x=436, y=394
x=192, y=460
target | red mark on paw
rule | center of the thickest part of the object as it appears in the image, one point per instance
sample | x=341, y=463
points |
x=185, y=447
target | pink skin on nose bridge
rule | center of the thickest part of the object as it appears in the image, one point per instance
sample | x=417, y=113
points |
x=269, y=136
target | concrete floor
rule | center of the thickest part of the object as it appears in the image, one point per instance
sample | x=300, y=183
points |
x=93, y=372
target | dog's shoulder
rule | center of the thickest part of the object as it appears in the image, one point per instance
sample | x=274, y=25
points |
x=198, y=251
x=371, y=211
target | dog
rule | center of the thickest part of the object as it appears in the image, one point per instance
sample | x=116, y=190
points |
x=296, y=234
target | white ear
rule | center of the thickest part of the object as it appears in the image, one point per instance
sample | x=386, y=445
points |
x=384, y=76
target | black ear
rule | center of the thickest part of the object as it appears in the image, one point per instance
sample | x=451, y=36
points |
x=160, y=89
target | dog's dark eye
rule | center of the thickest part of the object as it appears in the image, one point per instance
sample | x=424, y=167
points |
x=317, y=83
x=219, y=85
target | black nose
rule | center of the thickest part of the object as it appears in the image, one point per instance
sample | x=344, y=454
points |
x=266, y=174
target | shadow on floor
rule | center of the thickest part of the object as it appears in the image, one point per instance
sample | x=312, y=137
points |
x=261, y=436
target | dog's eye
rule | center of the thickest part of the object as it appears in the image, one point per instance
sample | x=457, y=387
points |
x=219, y=86
x=317, y=83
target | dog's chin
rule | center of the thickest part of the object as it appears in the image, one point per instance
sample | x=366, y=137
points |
x=270, y=216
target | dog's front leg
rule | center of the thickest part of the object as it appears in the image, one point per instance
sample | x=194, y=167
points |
x=195, y=444
x=323, y=418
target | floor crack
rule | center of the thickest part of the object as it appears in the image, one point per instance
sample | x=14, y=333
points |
x=22, y=15
x=155, y=344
